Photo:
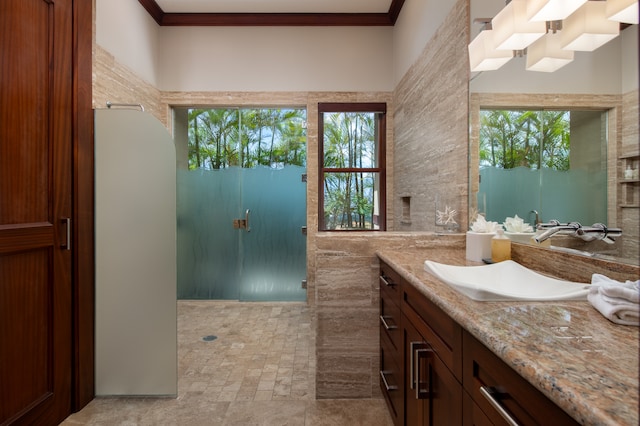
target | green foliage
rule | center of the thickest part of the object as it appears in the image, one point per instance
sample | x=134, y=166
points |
x=224, y=137
x=534, y=139
x=349, y=142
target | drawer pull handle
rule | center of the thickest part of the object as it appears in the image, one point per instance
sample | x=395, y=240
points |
x=416, y=351
x=421, y=393
x=384, y=380
x=387, y=281
x=487, y=392
x=383, y=320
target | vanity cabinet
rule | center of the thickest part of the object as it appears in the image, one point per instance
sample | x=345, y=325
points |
x=433, y=372
x=391, y=353
x=433, y=395
x=497, y=395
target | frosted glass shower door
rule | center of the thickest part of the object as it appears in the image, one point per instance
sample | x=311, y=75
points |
x=274, y=249
x=208, y=246
x=267, y=261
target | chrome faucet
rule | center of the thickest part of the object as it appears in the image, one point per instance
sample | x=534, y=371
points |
x=597, y=231
x=537, y=222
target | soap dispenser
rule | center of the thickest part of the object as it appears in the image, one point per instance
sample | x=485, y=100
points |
x=500, y=247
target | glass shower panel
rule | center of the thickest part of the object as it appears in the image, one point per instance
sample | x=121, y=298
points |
x=208, y=245
x=242, y=204
x=274, y=249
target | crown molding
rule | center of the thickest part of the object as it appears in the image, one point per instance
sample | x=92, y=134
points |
x=273, y=19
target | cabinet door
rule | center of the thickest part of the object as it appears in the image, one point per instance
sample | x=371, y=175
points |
x=432, y=394
x=502, y=394
x=416, y=408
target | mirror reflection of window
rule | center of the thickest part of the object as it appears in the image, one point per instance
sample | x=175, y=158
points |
x=540, y=159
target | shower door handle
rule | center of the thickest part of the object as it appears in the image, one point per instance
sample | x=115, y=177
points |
x=242, y=223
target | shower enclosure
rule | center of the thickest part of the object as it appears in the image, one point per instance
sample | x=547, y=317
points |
x=241, y=205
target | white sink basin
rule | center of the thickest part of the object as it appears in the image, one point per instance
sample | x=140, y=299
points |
x=506, y=280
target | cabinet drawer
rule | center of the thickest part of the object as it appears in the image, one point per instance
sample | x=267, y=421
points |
x=499, y=391
x=389, y=281
x=444, y=334
x=390, y=322
x=391, y=378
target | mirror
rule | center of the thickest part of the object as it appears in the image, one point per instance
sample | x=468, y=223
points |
x=605, y=80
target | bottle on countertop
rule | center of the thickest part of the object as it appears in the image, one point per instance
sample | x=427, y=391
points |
x=500, y=247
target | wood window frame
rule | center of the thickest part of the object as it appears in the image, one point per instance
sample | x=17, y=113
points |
x=380, y=108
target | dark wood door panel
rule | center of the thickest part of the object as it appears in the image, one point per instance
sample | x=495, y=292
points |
x=15, y=238
x=36, y=113
x=25, y=329
x=26, y=43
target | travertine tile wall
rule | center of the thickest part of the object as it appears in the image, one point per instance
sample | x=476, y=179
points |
x=347, y=307
x=115, y=82
x=432, y=128
x=430, y=156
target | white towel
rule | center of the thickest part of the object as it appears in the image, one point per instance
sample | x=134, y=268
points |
x=617, y=301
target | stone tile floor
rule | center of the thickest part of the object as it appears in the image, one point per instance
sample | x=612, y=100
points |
x=259, y=370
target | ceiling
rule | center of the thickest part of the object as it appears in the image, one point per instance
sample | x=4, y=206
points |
x=273, y=12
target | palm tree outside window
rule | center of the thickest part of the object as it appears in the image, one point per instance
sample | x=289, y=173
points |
x=352, y=173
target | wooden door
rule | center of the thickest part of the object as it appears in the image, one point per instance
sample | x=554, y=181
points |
x=36, y=90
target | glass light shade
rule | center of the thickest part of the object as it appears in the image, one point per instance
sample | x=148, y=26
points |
x=482, y=53
x=512, y=30
x=588, y=28
x=552, y=10
x=623, y=11
x=546, y=55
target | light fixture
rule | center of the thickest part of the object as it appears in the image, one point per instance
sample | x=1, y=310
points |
x=546, y=55
x=623, y=11
x=588, y=28
x=551, y=10
x=483, y=55
x=512, y=29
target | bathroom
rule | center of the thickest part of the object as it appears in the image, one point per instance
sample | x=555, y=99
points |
x=418, y=68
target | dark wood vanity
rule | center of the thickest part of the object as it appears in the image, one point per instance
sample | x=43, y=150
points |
x=435, y=372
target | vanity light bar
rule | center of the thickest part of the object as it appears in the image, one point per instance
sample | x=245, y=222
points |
x=525, y=25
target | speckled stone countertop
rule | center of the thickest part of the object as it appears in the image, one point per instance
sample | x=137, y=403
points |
x=580, y=360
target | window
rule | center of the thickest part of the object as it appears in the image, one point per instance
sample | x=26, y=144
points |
x=351, y=163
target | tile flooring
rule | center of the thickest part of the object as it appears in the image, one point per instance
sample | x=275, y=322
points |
x=259, y=370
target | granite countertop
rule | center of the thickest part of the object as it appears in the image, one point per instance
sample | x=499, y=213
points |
x=580, y=360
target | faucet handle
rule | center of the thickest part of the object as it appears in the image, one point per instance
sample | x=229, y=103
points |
x=551, y=224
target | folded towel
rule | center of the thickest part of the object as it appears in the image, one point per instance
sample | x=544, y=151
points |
x=628, y=290
x=617, y=301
